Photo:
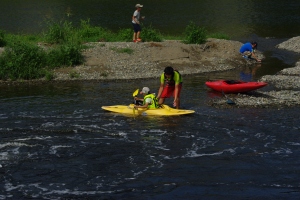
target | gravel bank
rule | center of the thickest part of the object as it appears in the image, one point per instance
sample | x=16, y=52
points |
x=286, y=84
x=128, y=60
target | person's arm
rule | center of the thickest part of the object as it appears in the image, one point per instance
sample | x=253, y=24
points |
x=176, y=94
x=254, y=56
x=143, y=106
x=161, y=87
x=138, y=99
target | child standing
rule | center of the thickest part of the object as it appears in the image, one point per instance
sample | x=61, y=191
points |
x=136, y=23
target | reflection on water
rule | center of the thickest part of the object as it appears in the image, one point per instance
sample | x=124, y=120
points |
x=248, y=72
x=239, y=19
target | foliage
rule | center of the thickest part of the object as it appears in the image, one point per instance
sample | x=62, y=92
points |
x=2, y=39
x=149, y=34
x=74, y=74
x=64, y=55
x=22, y=61
x=63, y=43
x=88, y=33
x=195, y=34
x=219, y=36
x=58, y=32
x=124, y=35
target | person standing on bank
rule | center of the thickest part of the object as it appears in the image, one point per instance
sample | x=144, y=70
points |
x=170, y=85
x=247, y=50
x=136, y=23
x=149, y=100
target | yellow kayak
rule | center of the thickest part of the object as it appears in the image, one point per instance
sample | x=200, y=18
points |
x=129, y=110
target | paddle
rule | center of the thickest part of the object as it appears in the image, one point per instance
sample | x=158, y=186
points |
x=229, y=101
x=134, y=94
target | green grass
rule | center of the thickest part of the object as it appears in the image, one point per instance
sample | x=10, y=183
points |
x=28, y=56
x=122, y=50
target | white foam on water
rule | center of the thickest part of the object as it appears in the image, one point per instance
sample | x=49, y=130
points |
x=53, y=149
x=51, y=124
x=193, y=153
x=294, y=143
x=283, y=151
x=112, y=124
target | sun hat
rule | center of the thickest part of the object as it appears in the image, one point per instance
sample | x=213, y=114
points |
x=138, y=5
x=145, y=90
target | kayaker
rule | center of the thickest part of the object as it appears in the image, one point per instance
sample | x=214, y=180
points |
x=149, y=100
x=247, y=50
x=170, y=85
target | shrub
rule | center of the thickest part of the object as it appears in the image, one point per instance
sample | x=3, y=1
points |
x=58, y=32
x=88, y=33
x=124, y=35
x=22, y=61
x=149, y=34
x=195, y=34
x=64, y=55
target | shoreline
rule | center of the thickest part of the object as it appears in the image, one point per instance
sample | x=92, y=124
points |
x=103, y=62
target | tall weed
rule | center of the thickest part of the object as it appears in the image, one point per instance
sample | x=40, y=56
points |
x=195, y=34
x=58, y=32
x=149, y=34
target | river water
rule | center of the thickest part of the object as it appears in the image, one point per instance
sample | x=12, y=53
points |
x=57, y=142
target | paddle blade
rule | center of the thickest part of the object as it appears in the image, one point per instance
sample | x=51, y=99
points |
x=135, y=93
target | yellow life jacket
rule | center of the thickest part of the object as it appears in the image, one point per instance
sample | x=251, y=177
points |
x=154, y=103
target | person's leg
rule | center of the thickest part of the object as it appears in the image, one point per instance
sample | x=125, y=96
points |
x=139, y=29
x=138, y=36
x=166, y=93
x=135, y=31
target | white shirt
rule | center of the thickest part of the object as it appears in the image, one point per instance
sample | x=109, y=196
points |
x=136, y=15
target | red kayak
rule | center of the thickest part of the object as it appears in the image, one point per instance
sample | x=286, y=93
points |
x=234, y=86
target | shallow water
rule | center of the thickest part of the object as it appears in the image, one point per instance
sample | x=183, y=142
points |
x=57, y=142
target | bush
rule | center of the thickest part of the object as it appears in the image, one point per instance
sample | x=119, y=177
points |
x=195, y=34
x=149, y=34
x=58, y=32
x=22, y=61
x=88, y=33
x=65, y=55
x=124, y=35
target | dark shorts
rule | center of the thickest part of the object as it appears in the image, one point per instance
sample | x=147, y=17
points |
x=169, y=91
x=136, y=28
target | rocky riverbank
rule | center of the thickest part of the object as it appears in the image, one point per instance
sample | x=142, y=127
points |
x=286, y=84
x=123, y=60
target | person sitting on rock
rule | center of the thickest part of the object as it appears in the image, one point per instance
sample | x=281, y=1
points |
x=247, y=50
x=149, y=100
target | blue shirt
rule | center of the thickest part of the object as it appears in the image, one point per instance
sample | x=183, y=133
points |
x=246, y=47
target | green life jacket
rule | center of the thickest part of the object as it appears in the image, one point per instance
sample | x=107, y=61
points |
x=154, y=103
